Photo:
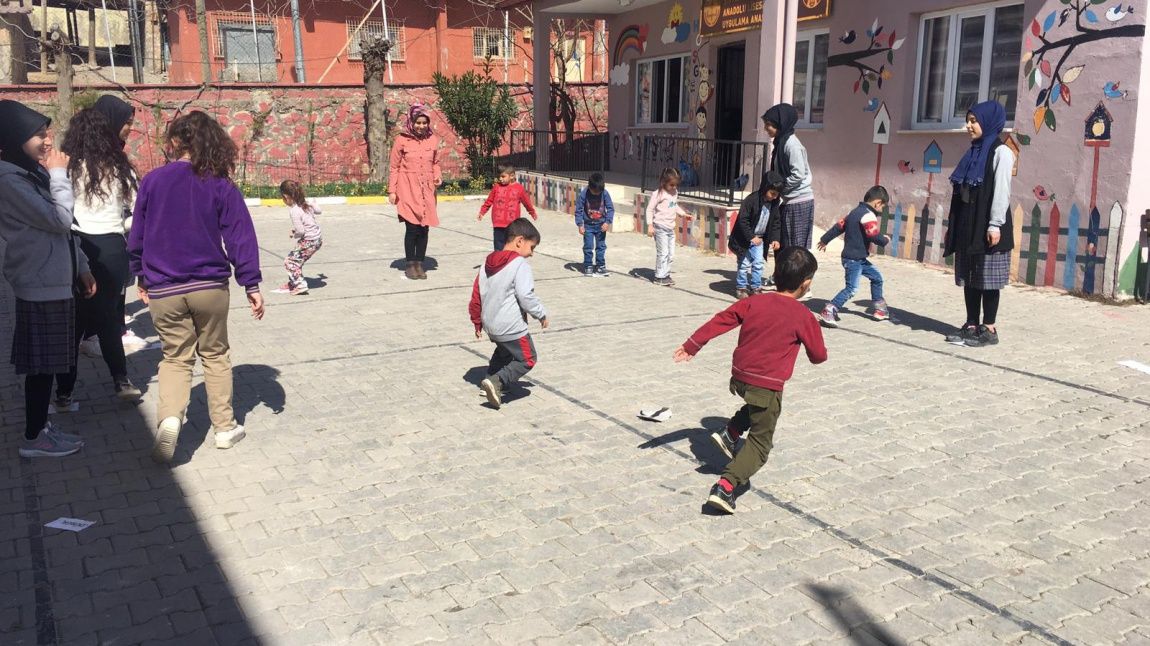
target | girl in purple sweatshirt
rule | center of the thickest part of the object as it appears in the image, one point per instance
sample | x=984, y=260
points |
x=190, y=228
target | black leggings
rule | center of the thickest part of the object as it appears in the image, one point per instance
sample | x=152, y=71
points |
x=415, y=242
x=984, y=299
x=101, y=315
x=37, y=397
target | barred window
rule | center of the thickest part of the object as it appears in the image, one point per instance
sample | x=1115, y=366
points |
x=374, y=29
x=492, y=43
x=248, y=48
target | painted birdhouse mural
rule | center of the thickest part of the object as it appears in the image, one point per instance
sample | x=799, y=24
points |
x=1098, y=127
x=932, y=158
x=882, y=125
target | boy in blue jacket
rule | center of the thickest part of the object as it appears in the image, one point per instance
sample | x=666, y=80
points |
x=861, y=230
x=594, y=212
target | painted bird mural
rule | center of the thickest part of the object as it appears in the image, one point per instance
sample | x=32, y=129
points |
x=1117, y=12
x=1063, y=16
x=872, y=105
x=904, y=167
x=848, y=37
x=1112, y=91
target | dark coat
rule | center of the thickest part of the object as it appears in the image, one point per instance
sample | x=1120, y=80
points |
x=970, y=217
x=744, y=228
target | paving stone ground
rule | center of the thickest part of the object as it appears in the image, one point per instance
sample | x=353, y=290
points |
x=918, y=492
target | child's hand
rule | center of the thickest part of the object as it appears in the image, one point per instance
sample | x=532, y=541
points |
x=822, y=246
x=56, y=159
x=682, y=355
x=582, y=230
x=651, y=231
x=546, y=323
x=256, y=300
x=479, y=333
x=479, y=217
x=756, y=241
x=89, y=283
x=775, y=245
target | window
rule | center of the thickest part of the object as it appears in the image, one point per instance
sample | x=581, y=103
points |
x=248, y=48
x=661, y=96
x=810, y=91
x=492, y=43
x=966, y=57
x=374, y=29
x=574, y=54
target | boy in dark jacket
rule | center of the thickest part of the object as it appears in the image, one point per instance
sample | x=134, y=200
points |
x=861, y=228
x=757, y=226
x=773, y=327
x=594, y=212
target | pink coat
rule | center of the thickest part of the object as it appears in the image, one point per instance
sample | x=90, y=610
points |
x=414, y=174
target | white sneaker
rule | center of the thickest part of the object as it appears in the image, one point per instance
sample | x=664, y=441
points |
x=130, y=340
x=90, y=347
x=228, y=439
x=166, y=439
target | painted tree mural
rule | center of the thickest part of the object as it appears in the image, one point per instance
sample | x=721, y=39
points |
x=879, y=44
x=1055, y=78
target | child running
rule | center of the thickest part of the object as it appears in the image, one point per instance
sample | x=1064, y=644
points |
x=501, y=299
x=190, y=228
x=773, y=327
x=662, y=211
x=306, y=232
x=503, y=201
x=860, y=229
x=757, y=227
x=594, y=212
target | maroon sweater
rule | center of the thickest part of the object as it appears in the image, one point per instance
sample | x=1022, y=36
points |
x=773, y=327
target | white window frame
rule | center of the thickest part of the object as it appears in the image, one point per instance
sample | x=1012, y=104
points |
x=949, y=122
x=395, y=33
x=809, y=35
x=684, y=119
x=506, y=40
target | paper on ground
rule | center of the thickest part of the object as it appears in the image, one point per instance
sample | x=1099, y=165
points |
x=1140, y=367
x=71, y=524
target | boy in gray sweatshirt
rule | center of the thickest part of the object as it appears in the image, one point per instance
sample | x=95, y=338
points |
x=501, y=299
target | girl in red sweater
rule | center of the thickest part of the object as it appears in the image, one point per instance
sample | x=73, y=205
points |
x=503, y=202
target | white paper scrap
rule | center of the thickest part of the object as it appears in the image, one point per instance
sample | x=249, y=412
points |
x=71, y=524
x=1140, y=367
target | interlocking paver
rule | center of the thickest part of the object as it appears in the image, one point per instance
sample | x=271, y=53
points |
x=940, y=494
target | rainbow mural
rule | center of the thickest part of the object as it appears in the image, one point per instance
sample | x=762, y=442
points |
x=632, y=38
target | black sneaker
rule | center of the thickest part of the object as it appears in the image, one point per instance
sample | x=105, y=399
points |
x=588, y=271
x=725, y=442
x=601, y=271
x=64, y=404
x=494, y=391
x=984, y=338
x=721, y=500
x=964, y=333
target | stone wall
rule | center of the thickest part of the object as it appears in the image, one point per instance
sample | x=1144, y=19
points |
x=311, y=133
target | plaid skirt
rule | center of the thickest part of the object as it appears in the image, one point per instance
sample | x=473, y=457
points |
x=44, y=338
x=798, y=224
x=988, y=271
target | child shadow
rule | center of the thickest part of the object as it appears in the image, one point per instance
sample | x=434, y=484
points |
x=429, y=264
x=576, y=267
x=252, y=385
x=514, y=392
x=642, y=273
x=699, y=441
x=319, y=282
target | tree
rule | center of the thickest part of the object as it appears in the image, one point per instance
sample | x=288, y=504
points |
x=877, y=46
x=374, y=52
x=1054, y=81
x=479, y=110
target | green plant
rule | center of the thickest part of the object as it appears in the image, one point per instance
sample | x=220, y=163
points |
x=85, y=99
x=480, y=111
x=480, y=183
x=452, y=189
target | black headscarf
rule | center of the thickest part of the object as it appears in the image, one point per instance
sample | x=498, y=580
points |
x=116, y=110
x=19, y=124
x=784, y=116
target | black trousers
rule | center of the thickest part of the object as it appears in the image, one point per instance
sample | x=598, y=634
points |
x=415, y=242
x=102, y=315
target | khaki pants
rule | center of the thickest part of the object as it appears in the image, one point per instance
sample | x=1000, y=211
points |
x=759, y=414
x=190, y=325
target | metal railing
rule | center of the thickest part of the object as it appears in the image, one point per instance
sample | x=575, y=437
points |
x=710, y=170
x=553, y=152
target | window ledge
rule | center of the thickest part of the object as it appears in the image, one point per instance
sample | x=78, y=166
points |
x=808, y=126
x=660, y=126
x=942, y=131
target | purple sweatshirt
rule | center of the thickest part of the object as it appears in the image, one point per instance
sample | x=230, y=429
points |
x=188, y=231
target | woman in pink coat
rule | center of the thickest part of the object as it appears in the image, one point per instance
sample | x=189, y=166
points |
x=413, y=177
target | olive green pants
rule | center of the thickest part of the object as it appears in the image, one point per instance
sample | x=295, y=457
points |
x=757, y=417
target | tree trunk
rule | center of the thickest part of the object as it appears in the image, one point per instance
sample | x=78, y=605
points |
x=374, y=53
x=205, y=54
x=63, y=82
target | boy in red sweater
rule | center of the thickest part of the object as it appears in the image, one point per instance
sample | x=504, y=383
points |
x=503, y=202
x=774, y=325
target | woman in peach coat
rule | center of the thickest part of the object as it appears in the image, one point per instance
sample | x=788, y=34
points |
x=414, y=174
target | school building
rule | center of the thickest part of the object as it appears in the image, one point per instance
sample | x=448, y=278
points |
x=882, y=88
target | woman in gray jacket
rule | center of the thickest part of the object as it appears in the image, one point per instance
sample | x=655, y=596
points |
x=43, y=265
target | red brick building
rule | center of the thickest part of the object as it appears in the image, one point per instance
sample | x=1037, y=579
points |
x=249, y=43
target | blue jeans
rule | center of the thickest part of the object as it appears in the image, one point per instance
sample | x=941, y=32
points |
x=594, y=247
x=854, y=269
x=751, y=262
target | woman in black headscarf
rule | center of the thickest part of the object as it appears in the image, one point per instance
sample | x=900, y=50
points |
x=789, y=159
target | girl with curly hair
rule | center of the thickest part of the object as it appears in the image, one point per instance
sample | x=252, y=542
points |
x=104, y=184
x=191, y=227
x=414, y=175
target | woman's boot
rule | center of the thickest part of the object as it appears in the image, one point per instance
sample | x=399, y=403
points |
x=420, y=274
x=410, y=271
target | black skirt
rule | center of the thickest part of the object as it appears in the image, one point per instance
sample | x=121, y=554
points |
x=44, y=338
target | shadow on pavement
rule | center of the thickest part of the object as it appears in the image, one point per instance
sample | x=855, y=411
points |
x=859, y=625
x=711, y=459
x=429, y=264
x=642, y=272
x=253, y=385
